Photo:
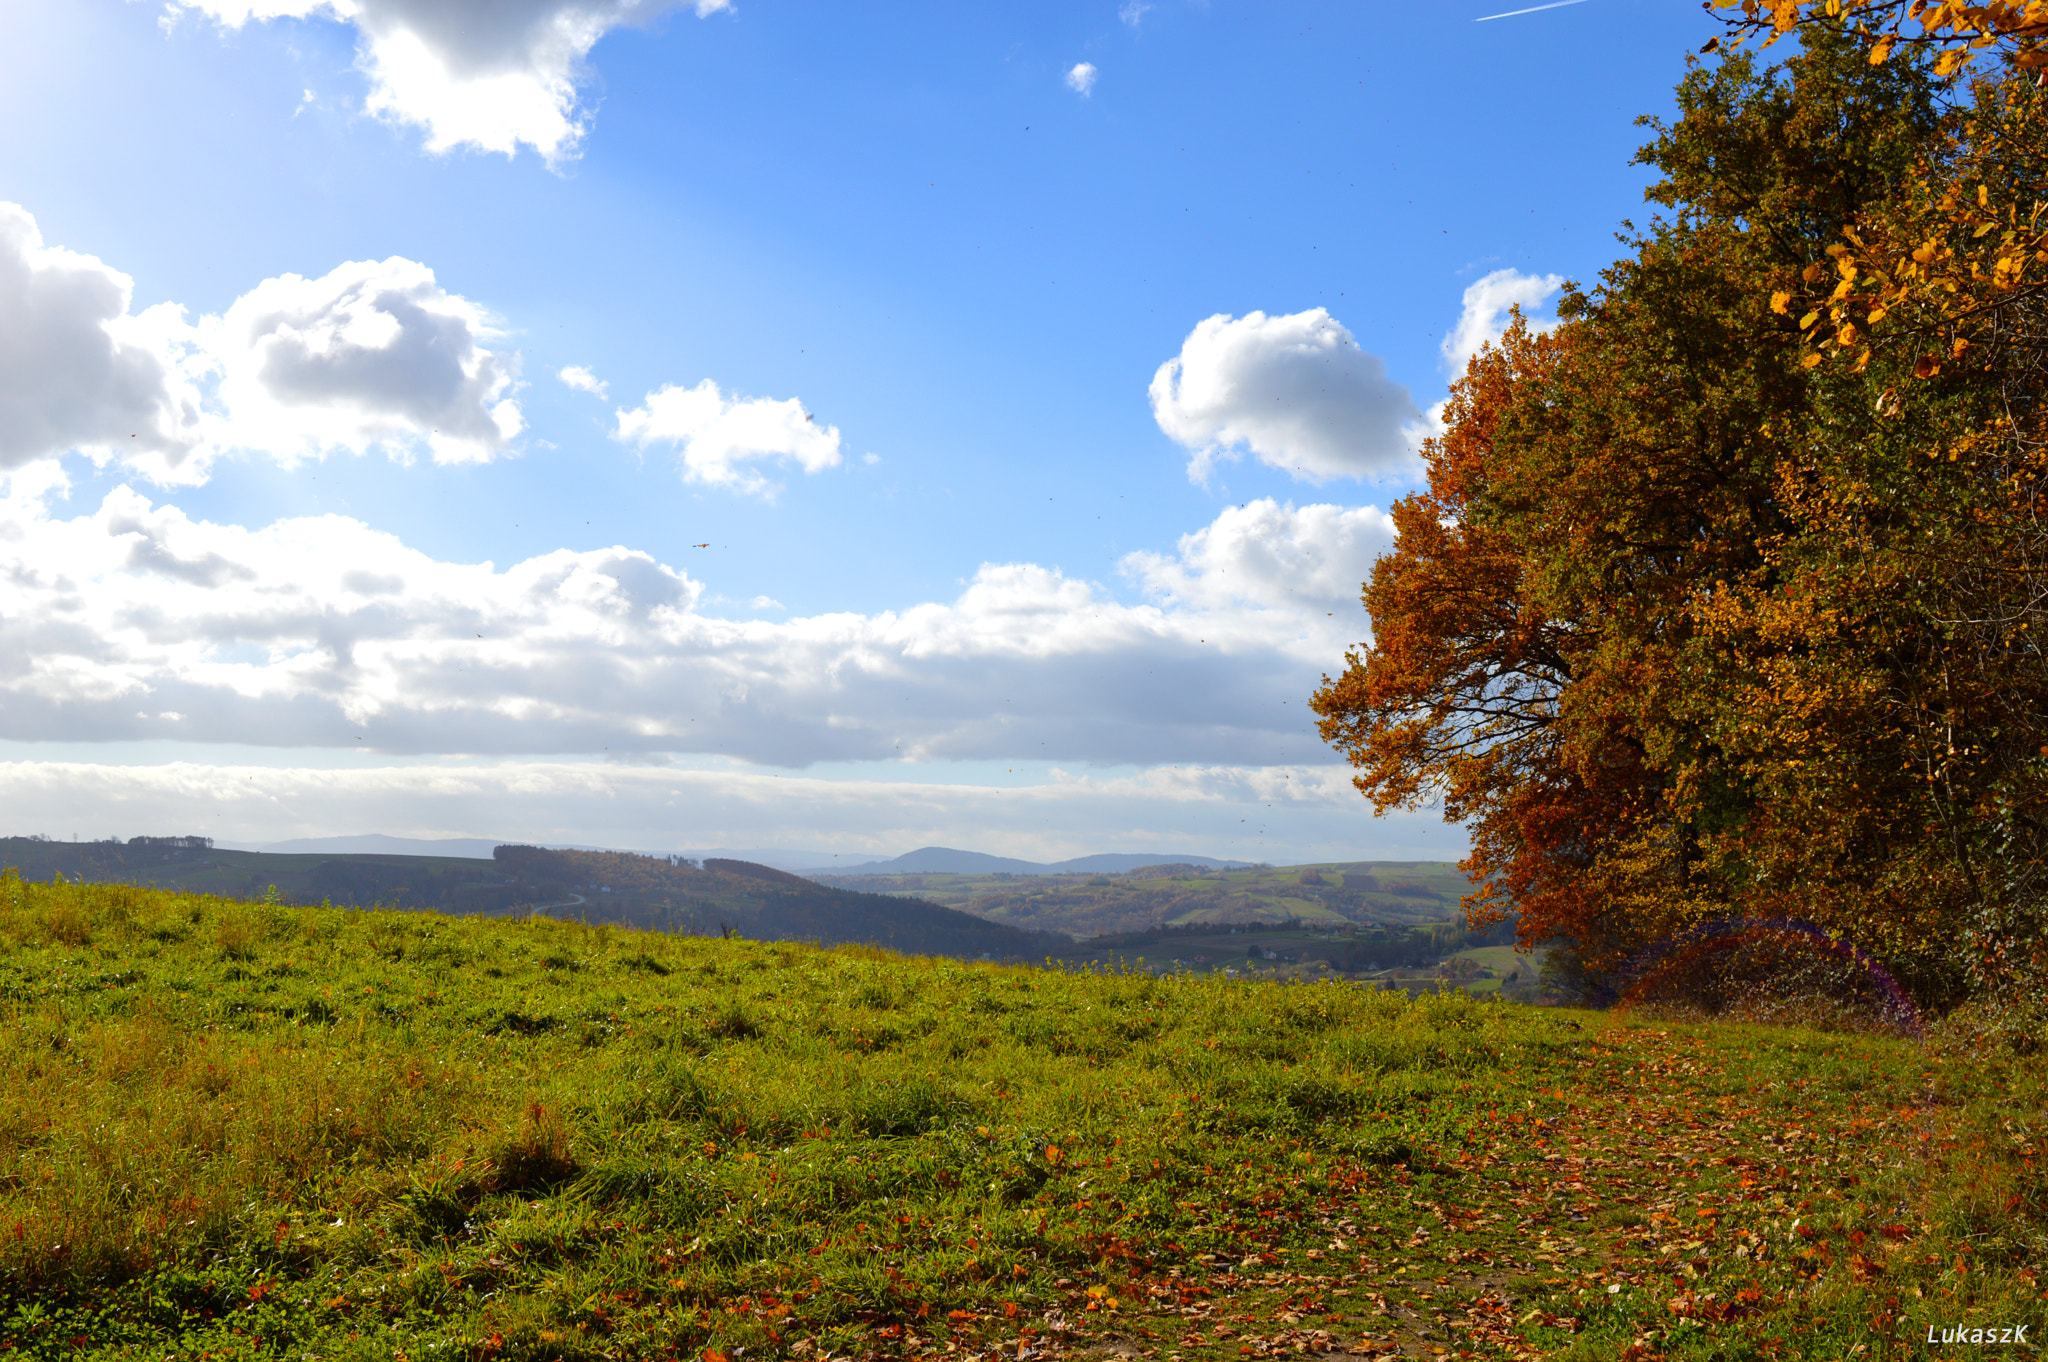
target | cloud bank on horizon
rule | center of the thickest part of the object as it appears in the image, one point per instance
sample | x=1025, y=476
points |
x=139, y=622
x=1303, y=811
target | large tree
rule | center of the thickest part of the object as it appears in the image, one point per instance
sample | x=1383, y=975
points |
x=1717, y=600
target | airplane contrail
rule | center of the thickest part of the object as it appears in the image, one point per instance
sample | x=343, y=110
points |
x=1554, y=4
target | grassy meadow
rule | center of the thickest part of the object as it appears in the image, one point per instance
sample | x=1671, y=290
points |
x=240, y=1129
x=1330, y=894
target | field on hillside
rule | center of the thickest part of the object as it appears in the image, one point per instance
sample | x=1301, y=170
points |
x=1096, y=905
x=1498, y=965
x=455, y=884
x=1412, y=955
x=620, y=888
x=238, y=1130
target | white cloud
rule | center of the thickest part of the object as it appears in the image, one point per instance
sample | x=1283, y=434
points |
x=371, y=353
x=77, y=369
x=1271, y=555
x=1081, y=79
x=584, y=381
x=490, y=74
x=764, y=603
x=322, y=632
x=720, y=436
x=1296, y=391
x=1132, y=12
x=1485, y=313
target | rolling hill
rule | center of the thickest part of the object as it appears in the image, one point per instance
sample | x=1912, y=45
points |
x=951, y=861
x=620, y=888
x=1364, y=892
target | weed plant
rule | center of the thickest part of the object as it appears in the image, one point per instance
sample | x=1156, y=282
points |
x=233, y=1129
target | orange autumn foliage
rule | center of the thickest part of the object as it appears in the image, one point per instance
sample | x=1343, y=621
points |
x=1948, y=33
x=1688, y=625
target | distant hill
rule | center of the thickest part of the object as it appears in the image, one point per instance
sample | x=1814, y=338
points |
x=1088, y=902
x=761, y=903
x=924, y=861
x=781, y=858
x=1116, y=863
x=624, y=888
x=950, y=861
x=479, y=848
x=377, y=844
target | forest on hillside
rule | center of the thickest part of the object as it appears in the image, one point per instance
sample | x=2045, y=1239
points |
x=1168, y=895
x=666, y=893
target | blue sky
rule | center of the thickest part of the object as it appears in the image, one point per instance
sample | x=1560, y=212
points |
x=310, y=536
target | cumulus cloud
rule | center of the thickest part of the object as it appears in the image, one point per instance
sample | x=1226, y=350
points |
x=490, y=74
x=721, y=437
x=77, y=369
x=584, y=381
x=374, y=353
x=371, y=353
x=1266, y=554
x=321, y=631
x=1295, y=391
x=1081, y=78
x=1485, y=314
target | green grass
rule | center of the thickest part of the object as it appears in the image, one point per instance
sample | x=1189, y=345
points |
x=1091, y=905
x=246, y=1130
x=1503, y=960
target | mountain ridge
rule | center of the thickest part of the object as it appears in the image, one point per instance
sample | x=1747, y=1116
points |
x=937, y=860
x=927, y=860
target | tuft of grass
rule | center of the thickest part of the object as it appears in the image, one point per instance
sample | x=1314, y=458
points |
x=535, y=1156
x=236, y=934
x=66, y=923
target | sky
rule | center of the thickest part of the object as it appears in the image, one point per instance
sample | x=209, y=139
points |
x=688, y=423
